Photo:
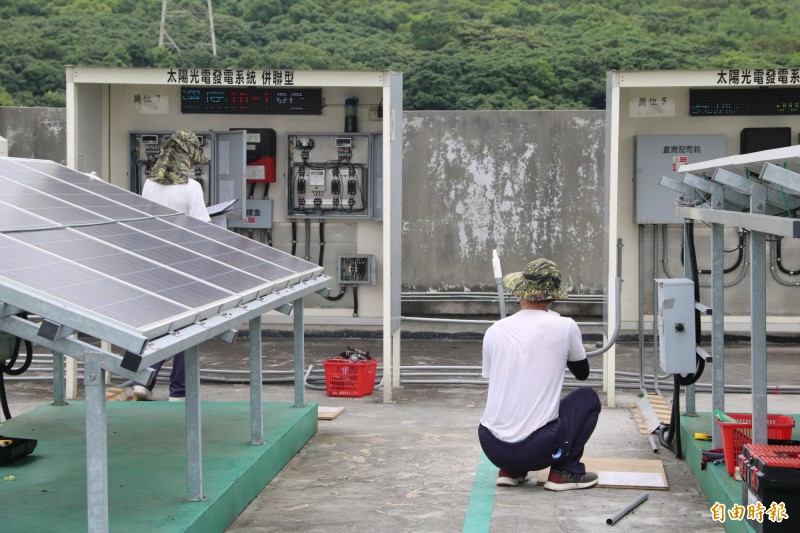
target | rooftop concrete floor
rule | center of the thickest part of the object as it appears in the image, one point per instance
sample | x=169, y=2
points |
x=411, y=465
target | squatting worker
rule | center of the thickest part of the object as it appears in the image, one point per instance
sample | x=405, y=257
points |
x=526, y=425
x=169, y=184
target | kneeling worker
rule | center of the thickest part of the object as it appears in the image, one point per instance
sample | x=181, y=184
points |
x=526, y=424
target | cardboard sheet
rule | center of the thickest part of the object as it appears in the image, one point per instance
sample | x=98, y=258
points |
x=329, y=413
x=619, y=473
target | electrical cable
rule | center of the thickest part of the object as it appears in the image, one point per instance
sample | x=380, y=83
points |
x=739, y=259
x=321, y=241
x=7, y=367
x=779, y=260
x=294, y=236
x=355, y=300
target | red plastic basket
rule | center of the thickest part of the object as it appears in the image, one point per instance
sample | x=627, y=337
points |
x=737, y=434
x=352, y=379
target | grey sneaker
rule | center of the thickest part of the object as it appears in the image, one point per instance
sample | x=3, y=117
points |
x=562, y=480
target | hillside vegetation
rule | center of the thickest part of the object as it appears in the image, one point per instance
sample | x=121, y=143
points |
x=455, y=54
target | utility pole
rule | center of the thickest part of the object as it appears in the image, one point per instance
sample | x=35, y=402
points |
x=198, y=23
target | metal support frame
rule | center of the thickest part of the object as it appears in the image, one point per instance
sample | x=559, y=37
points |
x=194, y=446
x=77, y=349
x=97, y=361
x=299, y=354
x=96, y=444
x=718, y=318
x=58, y=379
x=256, y=395
x=689, y=267
x=770, y=180
x=758, y=318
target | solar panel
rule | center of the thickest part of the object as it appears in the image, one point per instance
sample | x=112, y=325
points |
x=109, y=256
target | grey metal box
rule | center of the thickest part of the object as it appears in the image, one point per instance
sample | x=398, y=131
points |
x=661, y=155
x=676, y=331
x=258, y=215
x=356, y=269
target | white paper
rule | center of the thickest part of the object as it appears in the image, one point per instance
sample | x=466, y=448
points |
x=220, y=208
x=639, y=479
x=225, y=189
x=224, y=157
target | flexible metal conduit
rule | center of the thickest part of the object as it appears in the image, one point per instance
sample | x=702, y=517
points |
x=728, y=283
x=773, y=267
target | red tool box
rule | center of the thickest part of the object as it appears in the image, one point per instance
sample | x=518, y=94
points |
x=771, y=473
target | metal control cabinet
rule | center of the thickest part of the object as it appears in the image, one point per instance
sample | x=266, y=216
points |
x=356, y=269
x=676, y=331
x=662, y=155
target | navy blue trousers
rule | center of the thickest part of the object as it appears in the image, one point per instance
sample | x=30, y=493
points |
x=177, y=378
x=577, y=418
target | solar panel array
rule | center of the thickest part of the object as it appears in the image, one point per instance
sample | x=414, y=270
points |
x=77, y=242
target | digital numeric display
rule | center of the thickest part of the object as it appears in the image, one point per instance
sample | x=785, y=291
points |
x=251, y=100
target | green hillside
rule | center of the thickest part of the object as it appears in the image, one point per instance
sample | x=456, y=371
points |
x=455, y=54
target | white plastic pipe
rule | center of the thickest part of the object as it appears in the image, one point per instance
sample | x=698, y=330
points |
x=498, y=279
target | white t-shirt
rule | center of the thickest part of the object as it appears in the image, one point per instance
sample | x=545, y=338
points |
x=524, y=357
x=186, y=197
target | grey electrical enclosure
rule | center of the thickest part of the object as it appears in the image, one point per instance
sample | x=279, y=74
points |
x=676, y=331
x=356, y=269
x=258, y=215
x=661, y=155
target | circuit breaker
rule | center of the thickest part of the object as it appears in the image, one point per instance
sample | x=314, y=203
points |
x=356, y=269
x=328, y=176
x=676, y=325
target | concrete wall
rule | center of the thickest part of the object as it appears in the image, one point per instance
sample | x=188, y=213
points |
x=35, y=132
x=526, y=183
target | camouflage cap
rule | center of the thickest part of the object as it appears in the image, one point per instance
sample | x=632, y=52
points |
x=180, y=151
x=540, y=280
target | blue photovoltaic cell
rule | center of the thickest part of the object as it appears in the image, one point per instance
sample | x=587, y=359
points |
x=182, y=259
x=138, y=271
x=13, y=219
x=81, y=287
x=121, y=258
x=220, y=251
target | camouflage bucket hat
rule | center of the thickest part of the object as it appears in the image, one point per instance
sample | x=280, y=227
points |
x=181, y=150
x=540, y=280
x=189, y=143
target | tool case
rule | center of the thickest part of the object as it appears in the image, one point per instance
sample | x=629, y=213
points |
x=771, y=473
x=17, y=449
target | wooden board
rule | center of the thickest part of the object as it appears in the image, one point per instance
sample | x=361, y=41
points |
x=616, y=473
x=650, y=411
x=329, y=413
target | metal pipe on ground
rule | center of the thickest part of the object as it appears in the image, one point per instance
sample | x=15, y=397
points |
x=614, y=518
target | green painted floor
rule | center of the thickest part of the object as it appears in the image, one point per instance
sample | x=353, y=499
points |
x=716, y=483
x=146, y=465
